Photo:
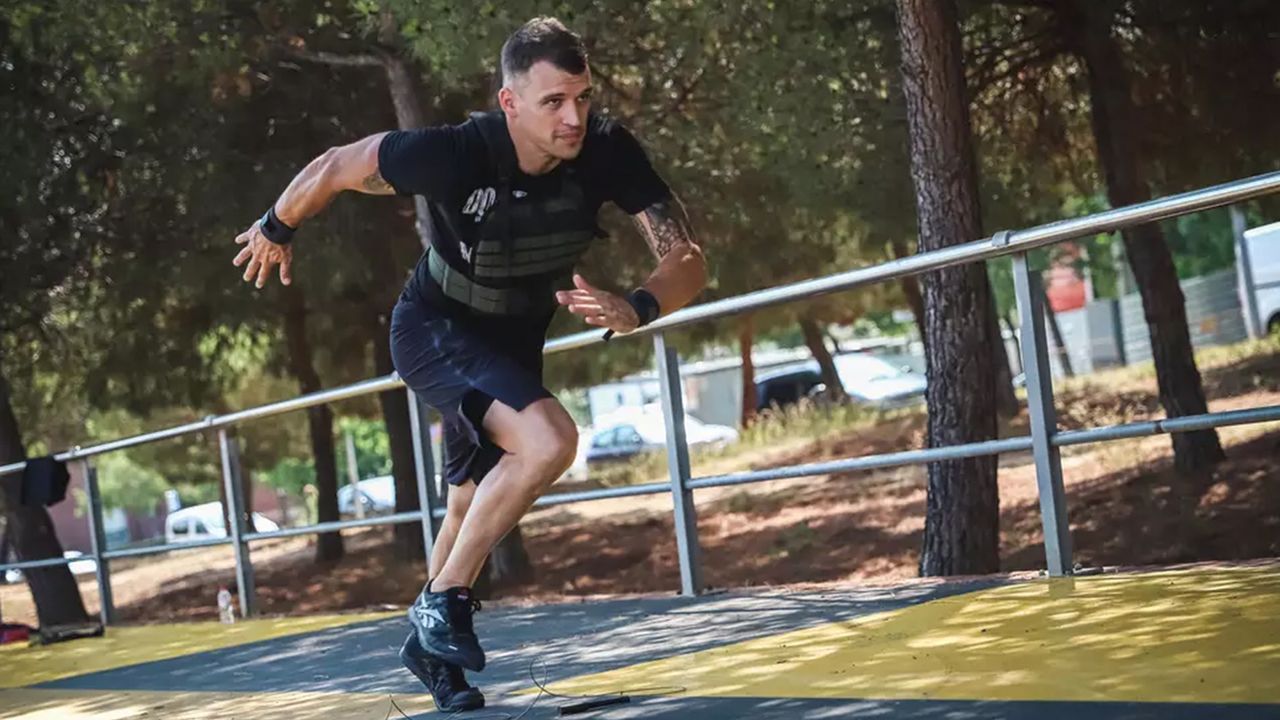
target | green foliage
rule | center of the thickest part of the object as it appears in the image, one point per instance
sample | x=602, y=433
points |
x=373, y=447
x=140, y=138
x=291, y=475
x=128, y=485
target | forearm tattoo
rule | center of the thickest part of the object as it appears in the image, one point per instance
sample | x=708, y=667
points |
x=664, y=225
x=375, y=185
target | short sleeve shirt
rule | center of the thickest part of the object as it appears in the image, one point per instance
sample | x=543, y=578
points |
x=451, y=165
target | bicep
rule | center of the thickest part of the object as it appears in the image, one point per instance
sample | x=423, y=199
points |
x=665, y=225
x=355, y=167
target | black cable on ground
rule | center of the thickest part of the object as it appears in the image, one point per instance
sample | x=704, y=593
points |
x=590, y=702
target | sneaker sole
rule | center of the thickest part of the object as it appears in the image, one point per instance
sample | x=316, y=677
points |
x=469, y=699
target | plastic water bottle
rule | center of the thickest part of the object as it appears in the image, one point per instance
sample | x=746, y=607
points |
x=226, y=613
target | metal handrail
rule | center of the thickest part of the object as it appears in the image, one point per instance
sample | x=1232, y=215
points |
x=998, y=245
x=1044, y=440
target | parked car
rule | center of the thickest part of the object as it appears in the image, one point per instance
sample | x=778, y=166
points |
x=780, y=388
x=1264, y=256
x=87, y=566
x=866, y=378
x=874, y=381
x=377, y=495
x=627, y=434
x=205, y=522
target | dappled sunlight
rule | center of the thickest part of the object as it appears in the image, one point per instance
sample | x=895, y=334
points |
x=119, y=705
x=1204, y=636
x=121, y=646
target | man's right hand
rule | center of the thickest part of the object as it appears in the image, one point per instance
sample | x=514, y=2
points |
x=262, y=255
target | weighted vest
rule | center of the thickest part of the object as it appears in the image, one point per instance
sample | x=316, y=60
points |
x=526, y=245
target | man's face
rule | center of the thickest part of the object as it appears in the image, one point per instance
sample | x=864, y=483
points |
x=547, y=108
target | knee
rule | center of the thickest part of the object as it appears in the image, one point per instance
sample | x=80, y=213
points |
x=555, y=449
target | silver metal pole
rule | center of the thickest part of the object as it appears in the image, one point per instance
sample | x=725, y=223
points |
x=98, y=543
x=1252, y=320
x=686, y=515
x=421, y=461
x=1044, y=419
x=236, y=520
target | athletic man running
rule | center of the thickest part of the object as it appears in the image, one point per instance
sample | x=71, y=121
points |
x=514, y=196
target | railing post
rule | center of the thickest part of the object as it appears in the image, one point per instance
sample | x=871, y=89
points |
x=98, y=542
x=686, y=515
x=423, y=467
x=1044, y=418
x=236, y=520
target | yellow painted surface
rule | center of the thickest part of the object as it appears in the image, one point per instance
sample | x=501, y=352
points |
x=21, y=666
x=28, y=704
x=1203, y=636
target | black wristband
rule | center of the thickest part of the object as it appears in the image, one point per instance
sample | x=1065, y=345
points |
x=274, y=229
x=645, y=304
x=646, y=307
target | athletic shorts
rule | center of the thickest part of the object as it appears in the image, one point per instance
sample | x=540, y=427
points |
x=459, y=367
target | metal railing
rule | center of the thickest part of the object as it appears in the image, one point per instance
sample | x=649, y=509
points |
x=1044, y=441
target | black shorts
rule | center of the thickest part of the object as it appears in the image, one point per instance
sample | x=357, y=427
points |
x=460, y=370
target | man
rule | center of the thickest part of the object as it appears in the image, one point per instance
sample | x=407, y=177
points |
x=514, y=196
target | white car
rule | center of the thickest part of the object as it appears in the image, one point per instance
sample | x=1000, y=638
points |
x=871, y=380
x=205, y=522
x=87, y=566
x=377, y=495
x=1264, y=257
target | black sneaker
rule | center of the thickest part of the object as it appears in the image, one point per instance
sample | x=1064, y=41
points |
x=442, y=621
x=446, y=683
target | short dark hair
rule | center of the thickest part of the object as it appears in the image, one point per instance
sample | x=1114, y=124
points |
x=543, y=38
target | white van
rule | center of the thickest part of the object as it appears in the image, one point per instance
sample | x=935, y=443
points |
x=1264, y=256
x=205, y=522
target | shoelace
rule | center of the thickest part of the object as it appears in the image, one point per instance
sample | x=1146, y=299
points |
x=460, y=614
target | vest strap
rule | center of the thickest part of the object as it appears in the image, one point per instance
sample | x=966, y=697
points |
x=456, y=285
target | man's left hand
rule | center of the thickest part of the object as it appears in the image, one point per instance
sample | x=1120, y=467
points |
x=599, y=307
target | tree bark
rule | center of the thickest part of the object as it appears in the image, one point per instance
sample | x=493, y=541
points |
x=395, y=414
x=1119, y=146
x=31, y=534
x=746, y=338
x=962, y=515
x=329, y=547
x=911, y=289
x=814, y=339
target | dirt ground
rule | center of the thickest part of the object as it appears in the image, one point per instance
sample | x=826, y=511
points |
x=1126, y=506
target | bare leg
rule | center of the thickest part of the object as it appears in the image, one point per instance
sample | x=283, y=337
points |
x=459, y=500
x=540, y=441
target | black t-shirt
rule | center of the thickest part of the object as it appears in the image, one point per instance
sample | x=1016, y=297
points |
x=451, y=165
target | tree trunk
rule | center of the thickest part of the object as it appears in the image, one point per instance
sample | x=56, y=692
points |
x=962, y=515
x=395, y=414
x=404, y=96
x=509, y=563
x=814, y=338
x=329, y=548
x=1059, y=345
x=1163, y=304
x=1006, y=399
x=31, y=534
x=746, y=338
x=911, y=288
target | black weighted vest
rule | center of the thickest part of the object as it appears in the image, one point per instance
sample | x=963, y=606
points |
x=527, y=246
